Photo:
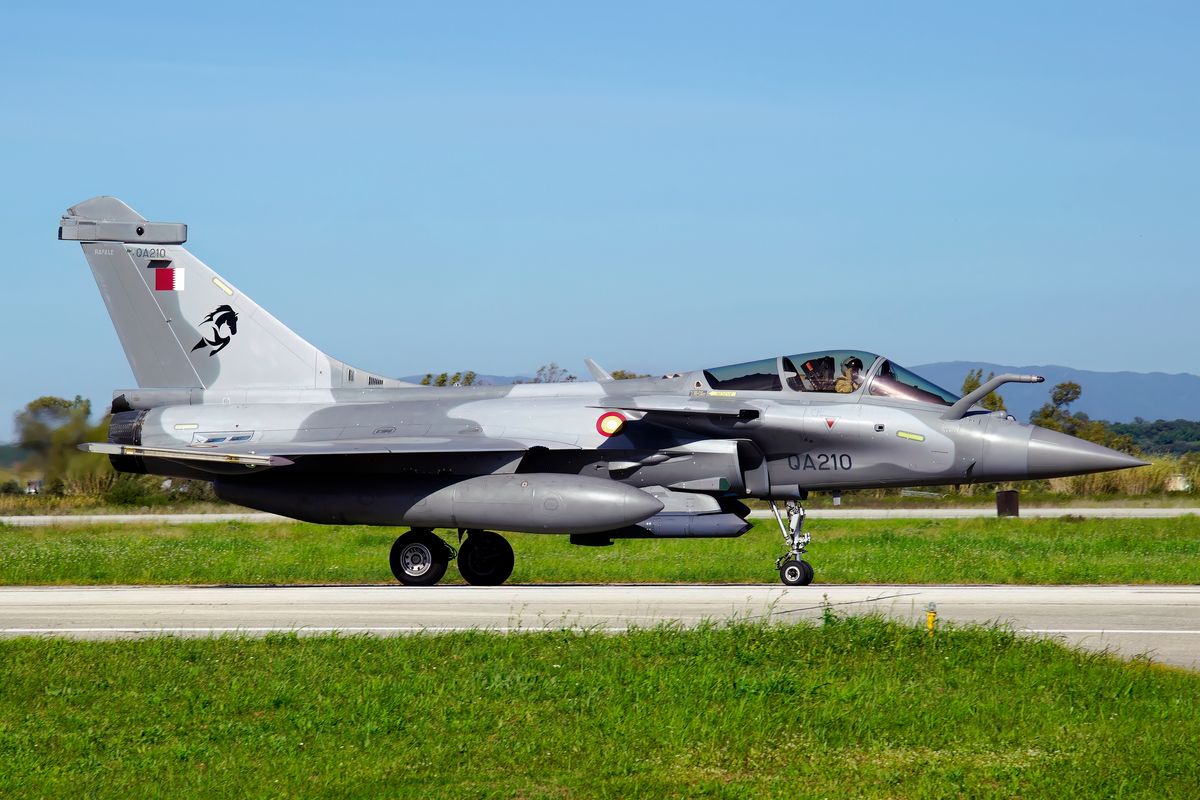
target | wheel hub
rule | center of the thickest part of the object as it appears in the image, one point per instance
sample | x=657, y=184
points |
x=485, y=559
x=416, y=559
x=482, y=560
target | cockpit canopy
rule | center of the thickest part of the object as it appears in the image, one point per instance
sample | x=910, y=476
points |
x=841, y=371
x=829, y=371
x=893, y=380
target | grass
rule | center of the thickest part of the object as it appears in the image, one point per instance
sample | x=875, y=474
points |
x=855, y=707
x=946, y=497
x=45, y=504
x=1013, y=551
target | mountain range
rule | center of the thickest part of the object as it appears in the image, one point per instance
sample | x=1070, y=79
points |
x=1112, y=396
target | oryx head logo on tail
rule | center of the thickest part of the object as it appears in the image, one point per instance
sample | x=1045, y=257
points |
x=222, y=326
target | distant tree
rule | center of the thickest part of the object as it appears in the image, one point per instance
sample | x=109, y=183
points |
x=625, y=375
x=1063, y=394
x=553, y=373
x=49, y=430
x=1161, y=436
x=974, y=379
x=1056, y=415
x=468, y=378
x=43, y=418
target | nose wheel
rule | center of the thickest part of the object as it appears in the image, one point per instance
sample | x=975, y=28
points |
x=796, y=573
x=793, y=569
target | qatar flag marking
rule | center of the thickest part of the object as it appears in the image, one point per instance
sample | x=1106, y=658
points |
x=829, y=422
x=168, y=280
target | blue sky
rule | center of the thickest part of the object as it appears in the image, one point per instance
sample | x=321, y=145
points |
x=656, y=185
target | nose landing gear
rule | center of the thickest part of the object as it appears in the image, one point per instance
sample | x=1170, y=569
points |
x=793, y=569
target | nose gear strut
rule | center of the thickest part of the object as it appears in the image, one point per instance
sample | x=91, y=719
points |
x=793, y=569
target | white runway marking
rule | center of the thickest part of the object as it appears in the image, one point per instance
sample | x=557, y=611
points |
x=83, y=633
x=1142, y=632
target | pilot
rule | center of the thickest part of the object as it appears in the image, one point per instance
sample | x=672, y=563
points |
x=851, y=377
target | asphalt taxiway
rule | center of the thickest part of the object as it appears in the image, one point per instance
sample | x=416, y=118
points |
x=1159, y=622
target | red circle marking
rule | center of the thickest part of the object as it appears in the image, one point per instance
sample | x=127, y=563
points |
x=610, y=423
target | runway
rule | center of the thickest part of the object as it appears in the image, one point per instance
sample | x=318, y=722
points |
x=1162, y=622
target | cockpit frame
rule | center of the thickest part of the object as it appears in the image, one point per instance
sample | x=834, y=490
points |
x=846, y=374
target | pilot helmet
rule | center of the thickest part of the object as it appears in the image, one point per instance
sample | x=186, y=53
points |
x=853, y=363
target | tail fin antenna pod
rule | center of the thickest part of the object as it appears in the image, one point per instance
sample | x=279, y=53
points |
x=182, y=325
x=107, y=219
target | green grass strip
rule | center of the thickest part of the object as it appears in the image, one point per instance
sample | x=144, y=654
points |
x=1010, y=551
x=857, y=707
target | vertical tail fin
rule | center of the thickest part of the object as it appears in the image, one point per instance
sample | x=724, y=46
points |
x=181, y=324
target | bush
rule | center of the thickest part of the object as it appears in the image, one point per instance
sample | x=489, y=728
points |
x=153, y=490
x=135, y=490
x=87, y=476
x=1140, y=481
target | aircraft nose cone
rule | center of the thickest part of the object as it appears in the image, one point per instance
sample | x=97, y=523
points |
x=1053, y=454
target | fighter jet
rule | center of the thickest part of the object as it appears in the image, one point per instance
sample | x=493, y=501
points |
x=227, y=393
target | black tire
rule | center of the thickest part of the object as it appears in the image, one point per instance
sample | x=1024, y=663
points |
x=419, y=558
x=485, y=559
x=796, y=573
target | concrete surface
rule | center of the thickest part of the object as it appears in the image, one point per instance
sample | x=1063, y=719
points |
x=1162, y=622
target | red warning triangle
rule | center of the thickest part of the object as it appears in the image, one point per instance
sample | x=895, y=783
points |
x=829, y=421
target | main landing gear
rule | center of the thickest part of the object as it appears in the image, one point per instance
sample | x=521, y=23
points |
x=793, y=569
x=485, y=559
x=420, y=558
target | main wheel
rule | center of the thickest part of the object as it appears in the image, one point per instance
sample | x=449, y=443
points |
x=796, y=573
x=485, y=559
x=419, y=558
